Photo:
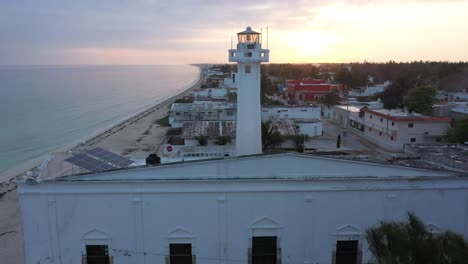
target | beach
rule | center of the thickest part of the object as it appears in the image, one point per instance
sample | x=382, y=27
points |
x=137, y=136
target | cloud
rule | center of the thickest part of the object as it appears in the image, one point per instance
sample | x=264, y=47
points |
x=48, y=30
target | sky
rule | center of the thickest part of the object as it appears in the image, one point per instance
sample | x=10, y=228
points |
x=200, y=31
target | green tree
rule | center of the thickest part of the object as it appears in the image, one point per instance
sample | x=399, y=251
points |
x=330, y=99
x=223, y=140
x=266, y=87
x=411, y=243
x=459, y=132
x=202, y=140
x=299, y=142
x=271, y=137
x=421, y=99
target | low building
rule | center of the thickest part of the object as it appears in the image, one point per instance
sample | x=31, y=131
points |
x=369, y=90
x=201, y=111
x=285, y=208
x=309, y=90
x=306, y=118
x=392, y=129
x=210, y=93
x=290, y=112
x=212, y=130
x=459, y=112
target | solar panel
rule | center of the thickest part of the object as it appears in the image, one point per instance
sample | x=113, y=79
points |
x=98, y=160
x=89, y=163
x=114, y=159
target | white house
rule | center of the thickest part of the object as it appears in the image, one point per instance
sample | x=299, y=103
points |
x=290, y=112
x=392, y=129
x=306, y=118
x=201, y=111
x=270, y=209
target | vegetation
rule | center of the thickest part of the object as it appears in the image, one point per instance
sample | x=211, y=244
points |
x=412, y=243
x=459, y=132
x=232, y=97
x=364, y=98
x=266, y=88
x=202, y=140
x=290, y=71
x=330, y=99
x=164, y=121
x=223, y=140
x=351, y=78
x=421, y=99
x=184, y=101
x=271, y=137
x=299, y=142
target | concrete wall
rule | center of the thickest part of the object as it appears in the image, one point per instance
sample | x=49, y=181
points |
x=311, y=129
x=219, y=218
x=275, y=113
x=389, y=134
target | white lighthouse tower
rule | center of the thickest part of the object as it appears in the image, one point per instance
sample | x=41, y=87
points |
x=248, y=55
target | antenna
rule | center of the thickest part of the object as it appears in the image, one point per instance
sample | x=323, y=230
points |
x=267, y=37
x=261, y=35
x=231, y=40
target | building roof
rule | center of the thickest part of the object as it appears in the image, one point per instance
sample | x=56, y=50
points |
x=398, y=115
x=285, y=127
x=211, y=105
x=209, y=128
x=278, y=166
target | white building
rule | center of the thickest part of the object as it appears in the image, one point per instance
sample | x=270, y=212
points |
x=285, y=208
x=306, y=118
x=210, y=93
x=201, y=111
x=290, y=112
x=370, y=90
x=392, y=129
x=248, y=55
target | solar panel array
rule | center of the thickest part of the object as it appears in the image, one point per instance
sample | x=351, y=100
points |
x=98, y=160
x=86, y=162
x=118, y=161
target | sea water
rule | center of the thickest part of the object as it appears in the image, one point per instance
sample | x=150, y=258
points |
x=44, y=108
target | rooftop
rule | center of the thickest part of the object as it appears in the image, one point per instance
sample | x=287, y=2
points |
x=209, y=128
x=399, y=115
x=278, y=166
x=211, y=105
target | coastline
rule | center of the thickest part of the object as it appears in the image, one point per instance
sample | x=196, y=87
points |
x=104, y=133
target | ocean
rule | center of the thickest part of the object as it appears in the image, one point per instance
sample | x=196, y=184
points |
x=45, y=108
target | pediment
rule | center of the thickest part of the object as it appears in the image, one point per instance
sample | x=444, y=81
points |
x=180, y=232
x=96, y=234
x=348, y=230
x=265, y=223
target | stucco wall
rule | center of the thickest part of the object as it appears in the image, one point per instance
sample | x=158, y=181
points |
x=220, y=217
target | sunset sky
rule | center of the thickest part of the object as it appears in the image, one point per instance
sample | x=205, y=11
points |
x=199, y=31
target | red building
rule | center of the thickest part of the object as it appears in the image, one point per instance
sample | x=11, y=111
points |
x=309, y=90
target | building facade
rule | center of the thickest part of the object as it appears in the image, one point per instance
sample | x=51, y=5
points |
x=392, y=129
x=201, y=111
x=290, y=112
x=274, y=209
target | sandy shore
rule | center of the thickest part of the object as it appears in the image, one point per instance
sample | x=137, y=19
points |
x=137, y=136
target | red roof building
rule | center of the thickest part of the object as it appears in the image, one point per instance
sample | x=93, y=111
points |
x=309, y=90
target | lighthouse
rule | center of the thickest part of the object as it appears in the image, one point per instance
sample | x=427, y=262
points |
x=248, y=55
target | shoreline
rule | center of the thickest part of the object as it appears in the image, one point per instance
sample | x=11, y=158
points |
x=105, y=132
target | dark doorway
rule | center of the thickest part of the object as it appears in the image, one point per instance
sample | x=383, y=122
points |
x=180, y=253
x=264, y=250
x=346, y=252
x=97, y=254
